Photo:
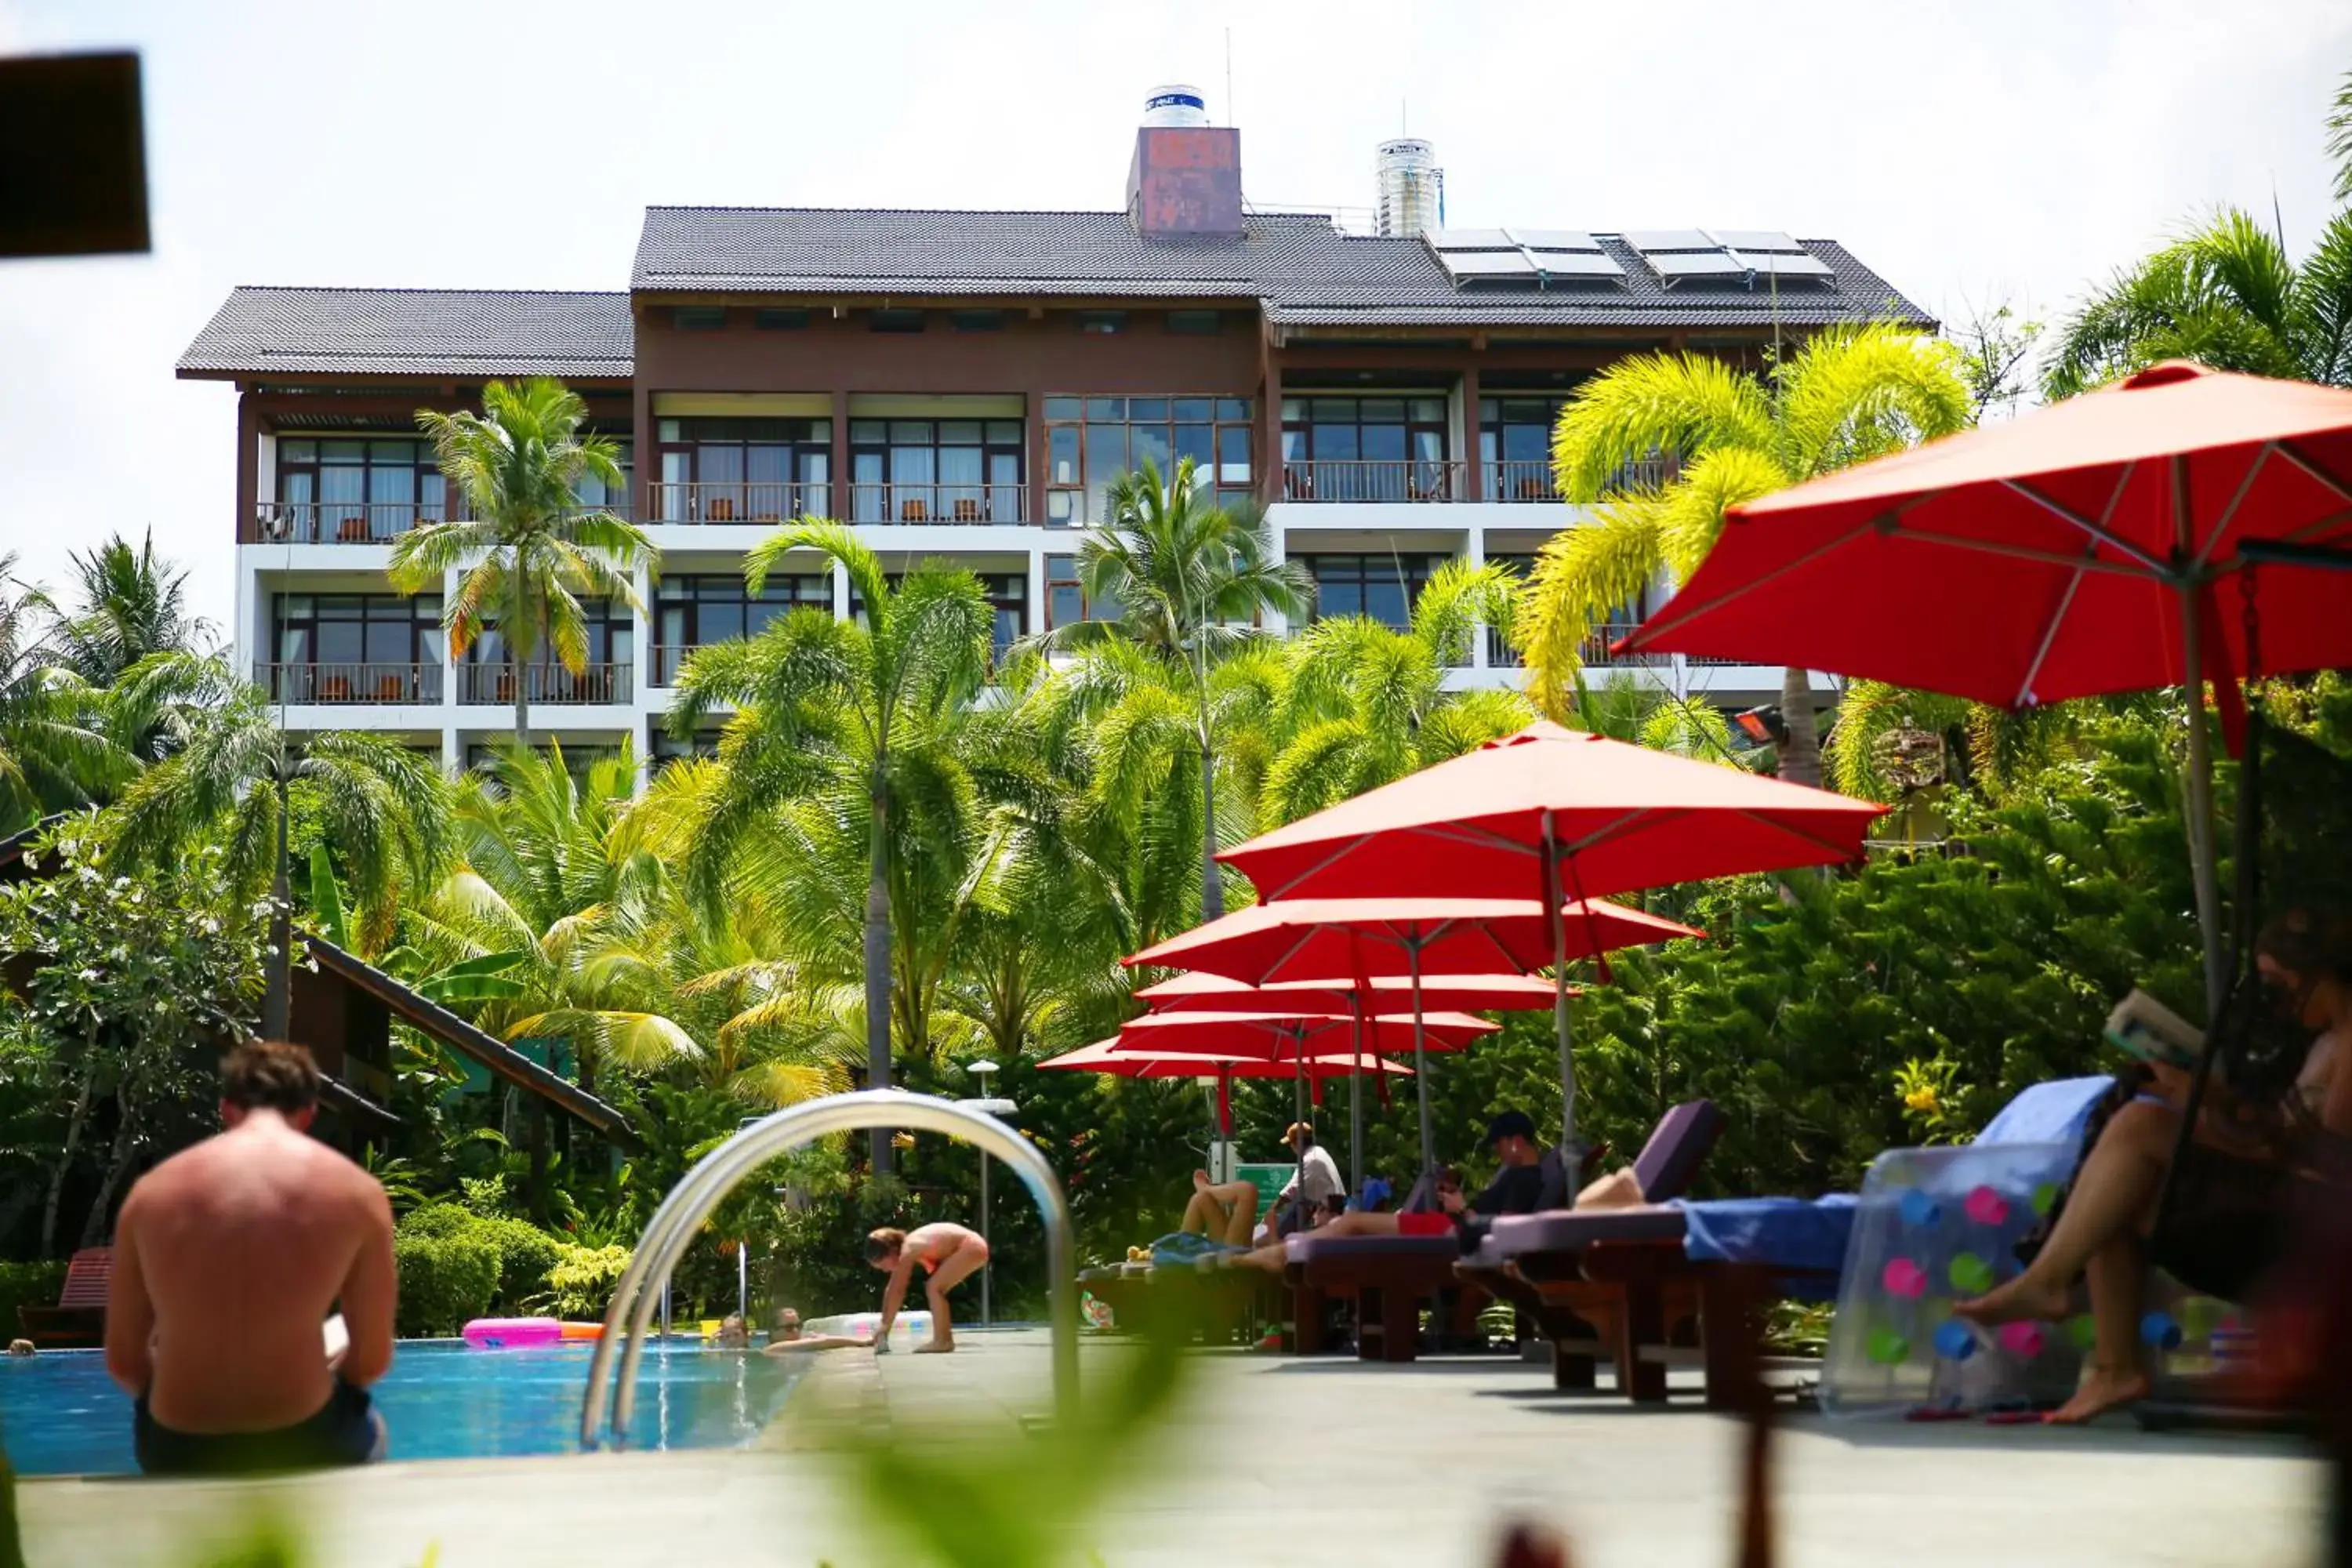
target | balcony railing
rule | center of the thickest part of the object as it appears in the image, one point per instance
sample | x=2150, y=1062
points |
x=493, y=685
x=1531, y=480
x=1593, y=652
x=939, y=503
x=1366, y=479
x=739, y=501
x=359, y=522
x=372, y=685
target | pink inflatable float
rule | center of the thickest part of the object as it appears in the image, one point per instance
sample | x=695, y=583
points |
x=514, y=1333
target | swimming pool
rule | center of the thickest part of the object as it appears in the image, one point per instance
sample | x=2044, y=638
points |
x=60, y=1415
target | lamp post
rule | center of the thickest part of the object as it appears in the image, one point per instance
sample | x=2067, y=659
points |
x=983, y=1070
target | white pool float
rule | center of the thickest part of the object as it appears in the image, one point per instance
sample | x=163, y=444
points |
x=910, y=1328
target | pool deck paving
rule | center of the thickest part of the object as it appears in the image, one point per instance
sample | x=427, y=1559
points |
x=1273, y=1460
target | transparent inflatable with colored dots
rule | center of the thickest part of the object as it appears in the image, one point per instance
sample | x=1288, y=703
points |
x=1934, y=1227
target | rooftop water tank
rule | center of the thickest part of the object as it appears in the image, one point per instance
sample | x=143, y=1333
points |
x=1412, y=189
x=1175, y=103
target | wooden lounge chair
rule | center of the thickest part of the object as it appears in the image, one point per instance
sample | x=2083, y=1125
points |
x=1390, y=1276
x=79, y=1319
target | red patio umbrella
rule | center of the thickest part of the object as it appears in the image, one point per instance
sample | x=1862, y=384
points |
x=1299, y=939
x=1109, y=1057
x=1557, y=815
x=2083, y=549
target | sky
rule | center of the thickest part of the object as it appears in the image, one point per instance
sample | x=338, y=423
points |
x=1970, y=152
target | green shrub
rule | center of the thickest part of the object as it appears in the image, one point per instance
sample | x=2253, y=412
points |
x=444, y=1282
x=26, y=1285
x=525, y=1252
x=581, y=1283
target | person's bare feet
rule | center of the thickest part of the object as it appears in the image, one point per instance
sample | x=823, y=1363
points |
x=2024, y=1300
x=2103, y=1389
x=1200, y=1183
x=935, y=1347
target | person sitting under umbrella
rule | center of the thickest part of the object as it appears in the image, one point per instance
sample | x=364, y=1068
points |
x=2226, y=1229
x=1227, y=1211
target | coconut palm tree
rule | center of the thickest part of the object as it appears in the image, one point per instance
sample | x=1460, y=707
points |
x=56, y=748
x=2225, y=293
x=530, y=552
x=838, y=739
x=235, y=776
x=1367, y=704
x=1845, y=396
x=1190, y=580
x=128, y=603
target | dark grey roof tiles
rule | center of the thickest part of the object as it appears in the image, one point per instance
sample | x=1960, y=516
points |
x=416, y=331
x=1305, y=271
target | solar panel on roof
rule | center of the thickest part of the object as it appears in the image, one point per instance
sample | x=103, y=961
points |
x=1671, y=265
x=1798, y=265
x=1446, y=239
x=1576, y=264
x=1653, y=239
x=1554, y=238
x=1765, y=239
x=1488, y=263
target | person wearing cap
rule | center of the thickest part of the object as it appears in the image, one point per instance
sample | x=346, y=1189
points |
x=1317, y=1179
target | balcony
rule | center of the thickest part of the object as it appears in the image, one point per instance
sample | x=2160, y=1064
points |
x=342, y=523
x=365, y=685
x=1593, y=654
x=666, y=662
x=546, y=685
x=1521, y=482
x=740, y=502
x=947, y=503
x=1375, y=481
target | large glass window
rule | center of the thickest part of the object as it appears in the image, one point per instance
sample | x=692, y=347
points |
x=607, y=675
x=1364, y=450
x=1066, y=600
x=356, y=491
x=743, y=470
x=1090, y=441
x=1381, y=586
x=1007, y=593
x=693, y=611
x=356, y=648
x=1515, y=446
x=935, y=470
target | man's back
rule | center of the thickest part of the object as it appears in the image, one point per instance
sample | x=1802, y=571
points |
x=236, y=1250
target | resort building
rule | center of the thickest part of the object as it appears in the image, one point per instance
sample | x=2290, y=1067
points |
x=964, y=386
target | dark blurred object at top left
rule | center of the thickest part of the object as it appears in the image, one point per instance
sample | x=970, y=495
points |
x=73, y=160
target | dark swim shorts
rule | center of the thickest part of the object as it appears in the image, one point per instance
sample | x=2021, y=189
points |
x=345, y=1431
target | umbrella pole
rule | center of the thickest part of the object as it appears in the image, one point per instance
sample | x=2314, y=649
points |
x=1558, y=918
x=1421, y=1061
x=1356, y=1104
x=2204, y=862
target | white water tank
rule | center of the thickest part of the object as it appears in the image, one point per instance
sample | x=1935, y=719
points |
x=1412, y=189
x=1175, y=103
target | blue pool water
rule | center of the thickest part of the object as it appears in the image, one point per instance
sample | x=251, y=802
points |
x=60, y=1414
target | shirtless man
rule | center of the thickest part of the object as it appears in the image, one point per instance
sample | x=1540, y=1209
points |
x=227, y=1259
x=788, y=1338
x=949, y=1253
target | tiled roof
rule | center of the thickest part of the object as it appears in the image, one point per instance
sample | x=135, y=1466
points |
x=1305, y=271
x=416, y=331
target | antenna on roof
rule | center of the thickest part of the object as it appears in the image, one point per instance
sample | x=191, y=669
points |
x=1231, y=117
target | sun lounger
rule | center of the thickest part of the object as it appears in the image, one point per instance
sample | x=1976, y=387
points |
x=79, y=1319
x=1673, y=1284
x=1388, y=1277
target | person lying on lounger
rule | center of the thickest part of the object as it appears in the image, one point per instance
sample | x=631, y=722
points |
x=949, y=1253
x=1227, y=1211
x=1517, y=1188
x=2236, y=1181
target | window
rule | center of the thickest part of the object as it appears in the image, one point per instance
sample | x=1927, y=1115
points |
x=1090, y=441
x=1363, y=448
x=1007, y=593
x=1066, y=600
x=696, y=611
x=356, y=648
x=1515, y=446
x=612, y=640
x=1381, y=586
x=743, y=470
x=667, y=748
x=1196, y=323
x=698, y=318
x=1102, y=323
x=935, y=470
x=594, y=493
x=1615, y=625
x=978, y=321
x=895, y=322
x=778, y=319
x=579, y=758
x=357, y=491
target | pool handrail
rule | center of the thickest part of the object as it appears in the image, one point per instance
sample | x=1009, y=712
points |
x=700, y=1191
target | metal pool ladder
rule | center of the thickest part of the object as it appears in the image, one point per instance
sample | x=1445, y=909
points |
x=703, y=1188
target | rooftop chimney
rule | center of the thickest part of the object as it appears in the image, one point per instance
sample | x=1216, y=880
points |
x=1186, y=178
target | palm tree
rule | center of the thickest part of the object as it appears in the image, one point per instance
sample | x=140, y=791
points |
x=382, y=809
x=1367, y=704
x=1847, y=395
x=530, y=552
x=842, y=723
x=2339, y=137
x=129, y=604
x=2226, y=294
x=1190, y=579
x=55, y=749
